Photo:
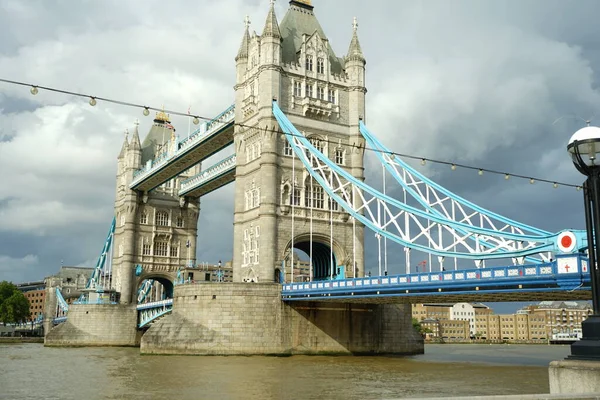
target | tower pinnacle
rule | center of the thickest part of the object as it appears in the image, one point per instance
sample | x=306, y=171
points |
x=243, y=51
x=271, y=26
x=354, y=51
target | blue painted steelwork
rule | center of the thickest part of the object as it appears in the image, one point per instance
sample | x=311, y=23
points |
x=59, y=320
x=213, y=172
x=61, y=303
x=149, y=312
x=97, y=274
x=320, y=167
x=144, y=290
x=221, y=122
x=414, y=189
x=547, y=277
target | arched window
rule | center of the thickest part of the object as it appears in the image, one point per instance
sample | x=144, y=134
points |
x=143, y=218
x=162, y=218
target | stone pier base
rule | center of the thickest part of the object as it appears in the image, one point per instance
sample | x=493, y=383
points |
x=96, y=325
x=574, y=376
x=248, y=319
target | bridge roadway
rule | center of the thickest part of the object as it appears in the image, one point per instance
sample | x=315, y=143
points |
x=212, y=137
x=210, y=179
x=496, y=284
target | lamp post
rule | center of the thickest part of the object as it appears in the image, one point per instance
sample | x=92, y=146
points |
x=584, y=148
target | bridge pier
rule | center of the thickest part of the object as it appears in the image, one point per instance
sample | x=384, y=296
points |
x=96, y=325
x=249, y=319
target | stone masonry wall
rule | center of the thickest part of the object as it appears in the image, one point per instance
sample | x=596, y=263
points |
x=245, y=319
x=96, y=325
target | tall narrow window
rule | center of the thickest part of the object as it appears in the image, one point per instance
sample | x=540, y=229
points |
x=309, y=63
x=174, y=251
x=295, y=197
x=297, y=89
x=146, y=249
x=321, y=93
x=287, y=148
x=162, y=218
x=180, y=222
x=339, y=156
x=332, y=96
x=309, y=90
x=320, y=66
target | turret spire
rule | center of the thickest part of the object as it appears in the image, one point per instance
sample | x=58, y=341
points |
x=354, y=51
x=135, y=140
x=243, y=51
x=125, y=146
x=271, y=26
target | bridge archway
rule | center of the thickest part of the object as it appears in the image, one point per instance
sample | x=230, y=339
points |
x=322, y=257
x=154, y=287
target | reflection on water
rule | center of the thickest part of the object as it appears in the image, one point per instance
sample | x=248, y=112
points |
x=31, y=371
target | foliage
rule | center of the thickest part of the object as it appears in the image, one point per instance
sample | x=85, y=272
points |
x=14, y=306
x=417, y=325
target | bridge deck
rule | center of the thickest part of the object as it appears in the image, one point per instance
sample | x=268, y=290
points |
x=513, y=283
x=189, y=153
x=214, y=177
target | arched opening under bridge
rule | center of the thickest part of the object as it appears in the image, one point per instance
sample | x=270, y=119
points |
x=154, y=288
x=328, y=262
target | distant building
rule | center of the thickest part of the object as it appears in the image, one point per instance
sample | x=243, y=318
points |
x=71, y=281
x=448, y=316
x=533, y=323
x=35, y=292
x=209, y=273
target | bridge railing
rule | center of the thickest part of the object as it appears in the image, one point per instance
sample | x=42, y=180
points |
x=445, y=278
x=209, y=173
x=204, y=131
x=155, y=304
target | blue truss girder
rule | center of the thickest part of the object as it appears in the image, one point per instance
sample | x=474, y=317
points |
x=373, y=204
x=442, y=202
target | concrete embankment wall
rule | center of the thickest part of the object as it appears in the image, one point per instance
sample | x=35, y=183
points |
x=96, y=325
x=245, y=319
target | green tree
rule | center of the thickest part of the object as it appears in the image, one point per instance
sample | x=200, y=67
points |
x=417, y=325
x=14, y=306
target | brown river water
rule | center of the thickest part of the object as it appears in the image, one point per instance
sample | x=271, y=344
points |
x=31, y=371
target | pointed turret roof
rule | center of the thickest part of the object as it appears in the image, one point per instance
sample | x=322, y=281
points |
x=354, y=51
x=300, y=20
x=136, y=144
x=243, y=51
x=125, y=146
x=271, y=28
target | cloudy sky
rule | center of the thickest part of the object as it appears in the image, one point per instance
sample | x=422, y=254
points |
x=468, y=81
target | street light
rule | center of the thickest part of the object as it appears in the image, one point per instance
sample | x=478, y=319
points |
x=584, y=148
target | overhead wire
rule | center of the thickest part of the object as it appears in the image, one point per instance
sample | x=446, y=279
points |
x=196, y=118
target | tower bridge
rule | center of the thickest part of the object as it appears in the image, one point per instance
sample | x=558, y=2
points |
x=297, y=131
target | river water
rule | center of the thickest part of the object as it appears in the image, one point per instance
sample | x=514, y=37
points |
x=31, y=371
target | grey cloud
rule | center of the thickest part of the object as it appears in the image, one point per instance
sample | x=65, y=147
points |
x=471, y=81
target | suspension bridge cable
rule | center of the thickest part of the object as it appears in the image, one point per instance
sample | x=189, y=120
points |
x=34, y=89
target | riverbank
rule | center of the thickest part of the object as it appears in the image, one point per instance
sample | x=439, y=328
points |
x=8, y=340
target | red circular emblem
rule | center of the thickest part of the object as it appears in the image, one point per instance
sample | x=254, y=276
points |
x=566, y=242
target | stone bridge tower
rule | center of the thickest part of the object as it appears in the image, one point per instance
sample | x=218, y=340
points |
x=324, y=96
x=157, y=230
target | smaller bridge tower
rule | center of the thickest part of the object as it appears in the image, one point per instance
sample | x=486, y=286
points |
x=156, y=231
